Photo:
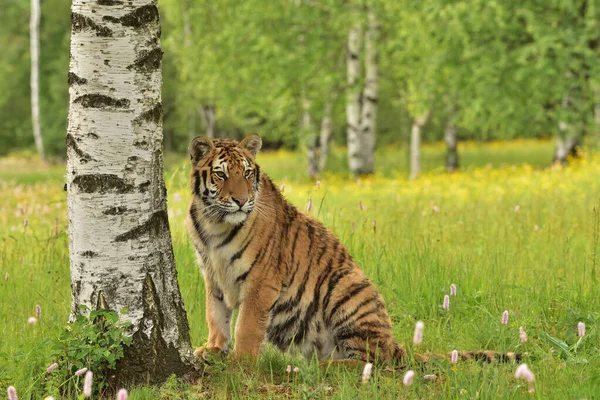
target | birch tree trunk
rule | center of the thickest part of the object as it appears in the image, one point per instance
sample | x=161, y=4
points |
x=597, y=113
x=353, y=98
x=187, y=43
x=451, y=138
x=313, y=140
x=566, y=143
x=568, y=138
x=209, y=118
x=368, y=117
x=34, y=44
x=119, y=241
x=325, y=136
x=415, y=145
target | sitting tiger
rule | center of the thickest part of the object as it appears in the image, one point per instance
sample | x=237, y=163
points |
x=292, y=280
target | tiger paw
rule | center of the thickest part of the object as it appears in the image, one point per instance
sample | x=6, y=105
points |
x=210, y=355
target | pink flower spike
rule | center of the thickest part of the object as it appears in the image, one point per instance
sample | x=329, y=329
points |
x=296, y=369
x=418, y=337
x=430, y=377
x=12, y=393
x=6, y=276
x=52, y=367
x=38, y=311
x=517, y=208
x=177, y=197
x=408, y=377
x=80, y=372
x=436, y=209
x=32, y=321
x=536, y=228
x=453, y=290
x=360, y=205
x=309, y=206
x=454, y=357
x=505, y=317
x=522, y=334
x=87, y=384
x=366, y=373
x=580, y=329
x=122, y=395
x=446, y=304
x=523, y=372
x=318, y=184
x=288, y=369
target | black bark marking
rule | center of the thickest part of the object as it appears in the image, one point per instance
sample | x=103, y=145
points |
x=102, y=183
x=115, y=210
x=142, y=144
x=80, y=23
x=155, y=225
x=89, y=254
x=96, y=100
x=109, y=2
x=150, y=359
x=72, y=144
x=148, y=61
x=137, y=18
x=75, y=80
x=152, y=115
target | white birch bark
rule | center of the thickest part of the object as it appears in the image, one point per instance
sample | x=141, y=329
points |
x=119, y=241
x=415, y=145
x=34, y=44
x=369, y=99
x=308, y=130
x=325, y=136
x=597, y=112
x=353, y=97
x=209, y=118
x=187, y=43
x=568, y=138
x=451, y=139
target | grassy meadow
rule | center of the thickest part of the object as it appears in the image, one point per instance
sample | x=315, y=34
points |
x=510, y=232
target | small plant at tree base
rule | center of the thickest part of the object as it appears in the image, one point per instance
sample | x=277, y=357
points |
x=96, y=342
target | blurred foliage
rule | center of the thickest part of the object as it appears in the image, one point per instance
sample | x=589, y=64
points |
x=505, y=67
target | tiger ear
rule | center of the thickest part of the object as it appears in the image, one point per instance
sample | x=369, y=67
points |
x=200, y=148
x=252, y=143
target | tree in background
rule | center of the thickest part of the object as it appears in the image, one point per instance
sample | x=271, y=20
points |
x=508, y=69
x=361, y=94
x=120, y=245
x=34, y=32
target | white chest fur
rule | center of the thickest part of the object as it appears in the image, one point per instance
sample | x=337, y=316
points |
x=224, y=268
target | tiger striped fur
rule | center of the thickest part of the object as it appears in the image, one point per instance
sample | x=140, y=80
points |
x=294, y=283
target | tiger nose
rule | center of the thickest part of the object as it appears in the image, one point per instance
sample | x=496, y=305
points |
x=240, y=201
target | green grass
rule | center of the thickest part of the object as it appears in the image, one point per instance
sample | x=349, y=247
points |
x=546, y=277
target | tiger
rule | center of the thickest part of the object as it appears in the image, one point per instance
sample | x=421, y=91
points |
x=294, y=284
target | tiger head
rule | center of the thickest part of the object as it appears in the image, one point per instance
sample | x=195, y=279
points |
x=225, y=178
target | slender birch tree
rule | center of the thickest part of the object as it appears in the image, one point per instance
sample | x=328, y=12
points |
x=325, y=135
x=34, y=42
x=415, y=144
x=119, y=241
x=368, y=118
x=361, y=105
x=451, y=139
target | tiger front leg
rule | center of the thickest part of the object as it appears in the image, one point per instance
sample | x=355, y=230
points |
x=253, y=320
x=218, y=318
